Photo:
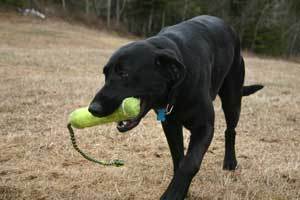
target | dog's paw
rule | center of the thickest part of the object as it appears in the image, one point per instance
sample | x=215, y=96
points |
x=230, y=165
x=175, y=196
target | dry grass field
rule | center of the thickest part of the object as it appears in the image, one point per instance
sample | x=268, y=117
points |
x=48, y=68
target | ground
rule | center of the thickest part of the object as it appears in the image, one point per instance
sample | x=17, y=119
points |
x=49, y=68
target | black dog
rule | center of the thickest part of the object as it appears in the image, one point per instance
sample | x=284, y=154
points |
x=182, y=69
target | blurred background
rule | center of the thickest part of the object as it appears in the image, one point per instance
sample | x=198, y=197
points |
x=267, y=27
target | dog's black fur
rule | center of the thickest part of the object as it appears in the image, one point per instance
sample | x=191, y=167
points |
x=186, y=66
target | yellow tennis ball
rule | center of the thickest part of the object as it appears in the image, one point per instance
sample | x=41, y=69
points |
x=82, y=118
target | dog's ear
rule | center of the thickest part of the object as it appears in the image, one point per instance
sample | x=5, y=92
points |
x=168, y=62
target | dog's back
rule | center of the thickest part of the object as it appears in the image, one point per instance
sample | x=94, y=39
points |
x=207, y=44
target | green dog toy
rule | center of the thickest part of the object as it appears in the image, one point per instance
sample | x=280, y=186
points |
x=82, y=118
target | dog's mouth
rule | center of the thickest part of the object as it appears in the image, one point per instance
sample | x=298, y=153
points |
x=127, y=125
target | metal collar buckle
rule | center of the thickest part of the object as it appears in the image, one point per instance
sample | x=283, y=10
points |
x=169, y=109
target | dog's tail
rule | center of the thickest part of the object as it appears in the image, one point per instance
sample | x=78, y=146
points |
x=247, y=90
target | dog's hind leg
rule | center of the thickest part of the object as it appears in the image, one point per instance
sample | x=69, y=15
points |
x=231, y=97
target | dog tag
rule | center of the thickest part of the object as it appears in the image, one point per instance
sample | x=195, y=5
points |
x=161, y=115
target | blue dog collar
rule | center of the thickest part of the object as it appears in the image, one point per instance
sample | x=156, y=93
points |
x=161, y=115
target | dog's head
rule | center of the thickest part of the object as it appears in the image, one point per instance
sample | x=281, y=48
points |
x=138, y=70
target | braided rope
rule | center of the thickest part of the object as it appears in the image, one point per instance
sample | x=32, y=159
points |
x=116, y=163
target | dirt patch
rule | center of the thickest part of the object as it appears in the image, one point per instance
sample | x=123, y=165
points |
x=9, y=193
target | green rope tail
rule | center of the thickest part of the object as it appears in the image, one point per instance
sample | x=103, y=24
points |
x=116, y=163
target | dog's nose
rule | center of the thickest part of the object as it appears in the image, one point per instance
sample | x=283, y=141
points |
x=96, y=109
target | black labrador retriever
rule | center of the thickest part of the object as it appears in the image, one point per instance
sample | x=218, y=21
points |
x=178, y=73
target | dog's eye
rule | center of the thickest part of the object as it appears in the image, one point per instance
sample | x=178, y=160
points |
x=121, y=71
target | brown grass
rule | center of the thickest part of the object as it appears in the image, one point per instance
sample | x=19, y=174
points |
x=48, y=68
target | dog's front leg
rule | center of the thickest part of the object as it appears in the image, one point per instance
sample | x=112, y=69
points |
x=174, y=135
x=199, y=142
